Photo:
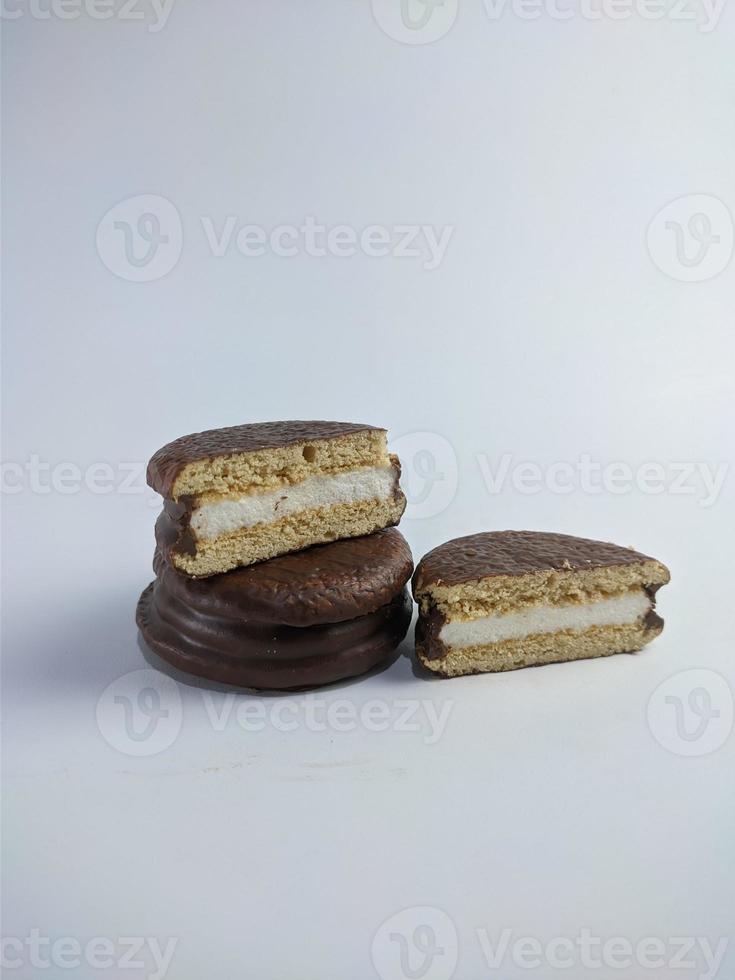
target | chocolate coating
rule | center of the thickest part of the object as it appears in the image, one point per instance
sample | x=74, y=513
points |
x=235, y=650
x=304, y=619
x=328, y=583
x=173, y=527
x=428, y=627
x=166, y=464
x=479, y=556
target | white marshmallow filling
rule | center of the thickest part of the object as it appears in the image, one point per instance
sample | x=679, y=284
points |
x=210, y=520
x=621, y=610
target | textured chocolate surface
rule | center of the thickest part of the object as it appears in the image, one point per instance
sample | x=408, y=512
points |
x=166, y=464
x=328, y=583
x=479, y=556
x=234, y=650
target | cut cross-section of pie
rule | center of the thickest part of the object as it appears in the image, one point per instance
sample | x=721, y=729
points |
x=240, y=495
x=508, y=599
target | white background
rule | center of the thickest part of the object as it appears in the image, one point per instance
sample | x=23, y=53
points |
x=554, y=800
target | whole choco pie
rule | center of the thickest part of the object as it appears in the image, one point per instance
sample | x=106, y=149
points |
x=298, y=621
x=508, y=599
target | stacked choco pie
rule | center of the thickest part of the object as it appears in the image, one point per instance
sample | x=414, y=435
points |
x=278, y=566
x=277, y=562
